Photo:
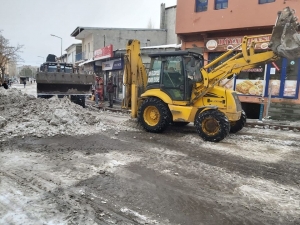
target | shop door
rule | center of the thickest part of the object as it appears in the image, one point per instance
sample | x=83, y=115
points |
x=290, y=81
x=283, y=76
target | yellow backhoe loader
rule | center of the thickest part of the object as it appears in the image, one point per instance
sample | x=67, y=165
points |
x=178, y=89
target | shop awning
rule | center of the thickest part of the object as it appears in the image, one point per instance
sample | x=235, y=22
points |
x=87, y=61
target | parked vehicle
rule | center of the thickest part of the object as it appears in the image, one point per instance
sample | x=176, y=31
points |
x=55, y=78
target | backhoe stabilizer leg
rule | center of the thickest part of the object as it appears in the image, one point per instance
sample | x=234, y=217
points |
x=285, y=40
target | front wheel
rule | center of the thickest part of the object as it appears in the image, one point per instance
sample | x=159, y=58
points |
x=212, y=125
x=154, y=115
x=236, y=126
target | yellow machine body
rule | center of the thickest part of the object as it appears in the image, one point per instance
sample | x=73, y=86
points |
x=174, y=92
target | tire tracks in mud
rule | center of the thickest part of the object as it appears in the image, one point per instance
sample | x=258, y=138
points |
x=173, y=181
x=77, y=207
x=281, y=174
x=284, y=172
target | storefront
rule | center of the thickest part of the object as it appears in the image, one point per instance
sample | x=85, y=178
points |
x=280, y=79
x=114, y=69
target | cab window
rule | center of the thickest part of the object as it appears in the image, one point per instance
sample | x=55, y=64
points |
x=154, y=71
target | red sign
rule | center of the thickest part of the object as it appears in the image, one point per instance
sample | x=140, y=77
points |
x=103, y=53
x=274, y=64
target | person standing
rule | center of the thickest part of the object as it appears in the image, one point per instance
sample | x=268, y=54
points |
x=24, y=82
x=5, y=85
x=110, y=88
x=96, y=91
x=100, y=91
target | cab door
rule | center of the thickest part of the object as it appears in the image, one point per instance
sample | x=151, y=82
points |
x=173, y=78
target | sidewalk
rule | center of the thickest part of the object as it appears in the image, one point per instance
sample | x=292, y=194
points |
x=254, y=123
x=274, y=124
x=117, y=107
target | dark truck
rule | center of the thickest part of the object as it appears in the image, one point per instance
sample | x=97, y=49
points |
x=61, y=79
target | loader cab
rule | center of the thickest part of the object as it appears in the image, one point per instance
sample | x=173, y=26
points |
x=56, y=67
x=175, y=73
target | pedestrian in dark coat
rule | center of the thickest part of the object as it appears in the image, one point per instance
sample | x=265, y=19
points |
x=110, y=88
x=5, y=85
x=24, y=82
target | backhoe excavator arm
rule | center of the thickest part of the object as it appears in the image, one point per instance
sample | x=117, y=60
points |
x=284, y=42
x=135, y=77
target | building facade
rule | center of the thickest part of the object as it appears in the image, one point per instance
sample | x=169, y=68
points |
x=72, y=51
x=103, y=49
x=216, y=26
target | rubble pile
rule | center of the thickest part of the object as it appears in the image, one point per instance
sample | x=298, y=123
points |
x=22, y=114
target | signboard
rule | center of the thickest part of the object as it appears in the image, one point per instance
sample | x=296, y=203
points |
x=116, y=64
x=249, y=87
x=103, y=53
x=222, y=44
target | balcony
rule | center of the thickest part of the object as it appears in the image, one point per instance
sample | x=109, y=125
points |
x=84, y=56
x=80, y=56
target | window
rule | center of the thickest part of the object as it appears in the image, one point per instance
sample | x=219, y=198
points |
x=201, y=5
x=221, y=4
x=154, y=72
x=173, y=78
x=265, y=1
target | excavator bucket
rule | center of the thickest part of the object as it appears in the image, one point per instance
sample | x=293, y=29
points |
x=285, y=40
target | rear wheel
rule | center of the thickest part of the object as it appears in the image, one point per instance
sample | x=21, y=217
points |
x=154, y=115
x=212, y=125
x=238, y=125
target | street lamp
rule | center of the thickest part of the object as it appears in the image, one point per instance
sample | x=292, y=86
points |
x=60, y=43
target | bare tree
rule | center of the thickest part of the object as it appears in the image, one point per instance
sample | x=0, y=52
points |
x=150, y=24
x=7, y=54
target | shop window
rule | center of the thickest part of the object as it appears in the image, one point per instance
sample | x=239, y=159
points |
x=283, y=76
x=265, y=1
x=221, y=4
x=251, y=81
x=201, y=5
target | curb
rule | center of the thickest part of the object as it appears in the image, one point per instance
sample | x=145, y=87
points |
x=273, y=126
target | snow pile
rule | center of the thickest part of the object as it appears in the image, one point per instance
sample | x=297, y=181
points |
x=22, y=114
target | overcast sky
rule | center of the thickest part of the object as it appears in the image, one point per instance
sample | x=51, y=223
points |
x=30, y=22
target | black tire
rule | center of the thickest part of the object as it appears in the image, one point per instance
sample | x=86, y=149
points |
x=78, y=99
x=236, y=126
x=154, y=115
x=212, y=125
x=179, y=124
x=83, y=102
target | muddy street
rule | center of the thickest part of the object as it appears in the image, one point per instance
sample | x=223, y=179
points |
x=135, y=177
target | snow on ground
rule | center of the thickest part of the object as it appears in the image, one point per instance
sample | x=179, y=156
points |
x=21, y=113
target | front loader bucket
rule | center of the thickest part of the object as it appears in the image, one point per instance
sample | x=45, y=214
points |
x=56, y=83
x=285, y=40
